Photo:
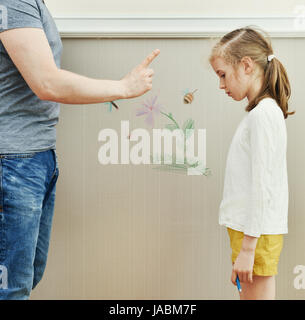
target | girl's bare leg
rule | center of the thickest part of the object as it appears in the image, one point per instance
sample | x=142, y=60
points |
x=262, y=288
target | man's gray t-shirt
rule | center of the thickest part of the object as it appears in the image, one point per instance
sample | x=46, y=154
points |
x=27, y=124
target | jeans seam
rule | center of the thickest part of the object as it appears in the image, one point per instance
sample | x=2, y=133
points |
x=2, y=225
x=1, y=188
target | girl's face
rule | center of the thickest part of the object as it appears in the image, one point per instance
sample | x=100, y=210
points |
x=234, y=82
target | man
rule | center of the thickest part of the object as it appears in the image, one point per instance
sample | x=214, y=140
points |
x=32, y=85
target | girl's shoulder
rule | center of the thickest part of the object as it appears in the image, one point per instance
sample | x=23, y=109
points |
x=266, y=114
x=268, y=104
x=267, y=108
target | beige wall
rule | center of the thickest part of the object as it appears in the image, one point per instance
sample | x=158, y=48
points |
x=130, y=232
x=172, y=7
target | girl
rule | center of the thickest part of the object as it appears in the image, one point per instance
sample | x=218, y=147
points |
x=254, y=207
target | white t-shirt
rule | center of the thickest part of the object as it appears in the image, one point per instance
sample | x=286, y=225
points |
x=255, y=195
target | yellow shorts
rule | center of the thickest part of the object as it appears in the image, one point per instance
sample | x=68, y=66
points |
x=267, y=252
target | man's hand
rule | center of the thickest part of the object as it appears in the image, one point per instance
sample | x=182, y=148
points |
x=139, y=80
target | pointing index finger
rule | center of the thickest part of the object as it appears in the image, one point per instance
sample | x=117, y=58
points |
x=150, y=58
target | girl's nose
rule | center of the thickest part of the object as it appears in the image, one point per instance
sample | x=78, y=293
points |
x=221, y=86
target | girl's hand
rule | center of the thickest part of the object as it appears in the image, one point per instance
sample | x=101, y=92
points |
x=243, y=266
x=244, y=262
x=139, y=80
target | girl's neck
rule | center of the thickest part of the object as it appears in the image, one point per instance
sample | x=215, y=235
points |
x=255, y=88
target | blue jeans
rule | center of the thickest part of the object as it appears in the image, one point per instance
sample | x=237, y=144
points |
x=27, y=198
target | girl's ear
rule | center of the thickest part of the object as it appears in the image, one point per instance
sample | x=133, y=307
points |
x=248, y=64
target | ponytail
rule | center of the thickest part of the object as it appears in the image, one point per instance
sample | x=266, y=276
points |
x=275, y=85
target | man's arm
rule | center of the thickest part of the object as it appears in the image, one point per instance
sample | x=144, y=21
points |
x=30, y=51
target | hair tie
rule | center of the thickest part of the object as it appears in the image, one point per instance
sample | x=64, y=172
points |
x=271, y=57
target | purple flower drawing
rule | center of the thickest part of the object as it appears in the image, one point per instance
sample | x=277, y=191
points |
x=150, y=109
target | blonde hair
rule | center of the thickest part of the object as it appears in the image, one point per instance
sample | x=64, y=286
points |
x=250, y=42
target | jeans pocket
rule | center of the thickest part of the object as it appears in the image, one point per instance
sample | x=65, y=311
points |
x=56, y=169
x=17, y=155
